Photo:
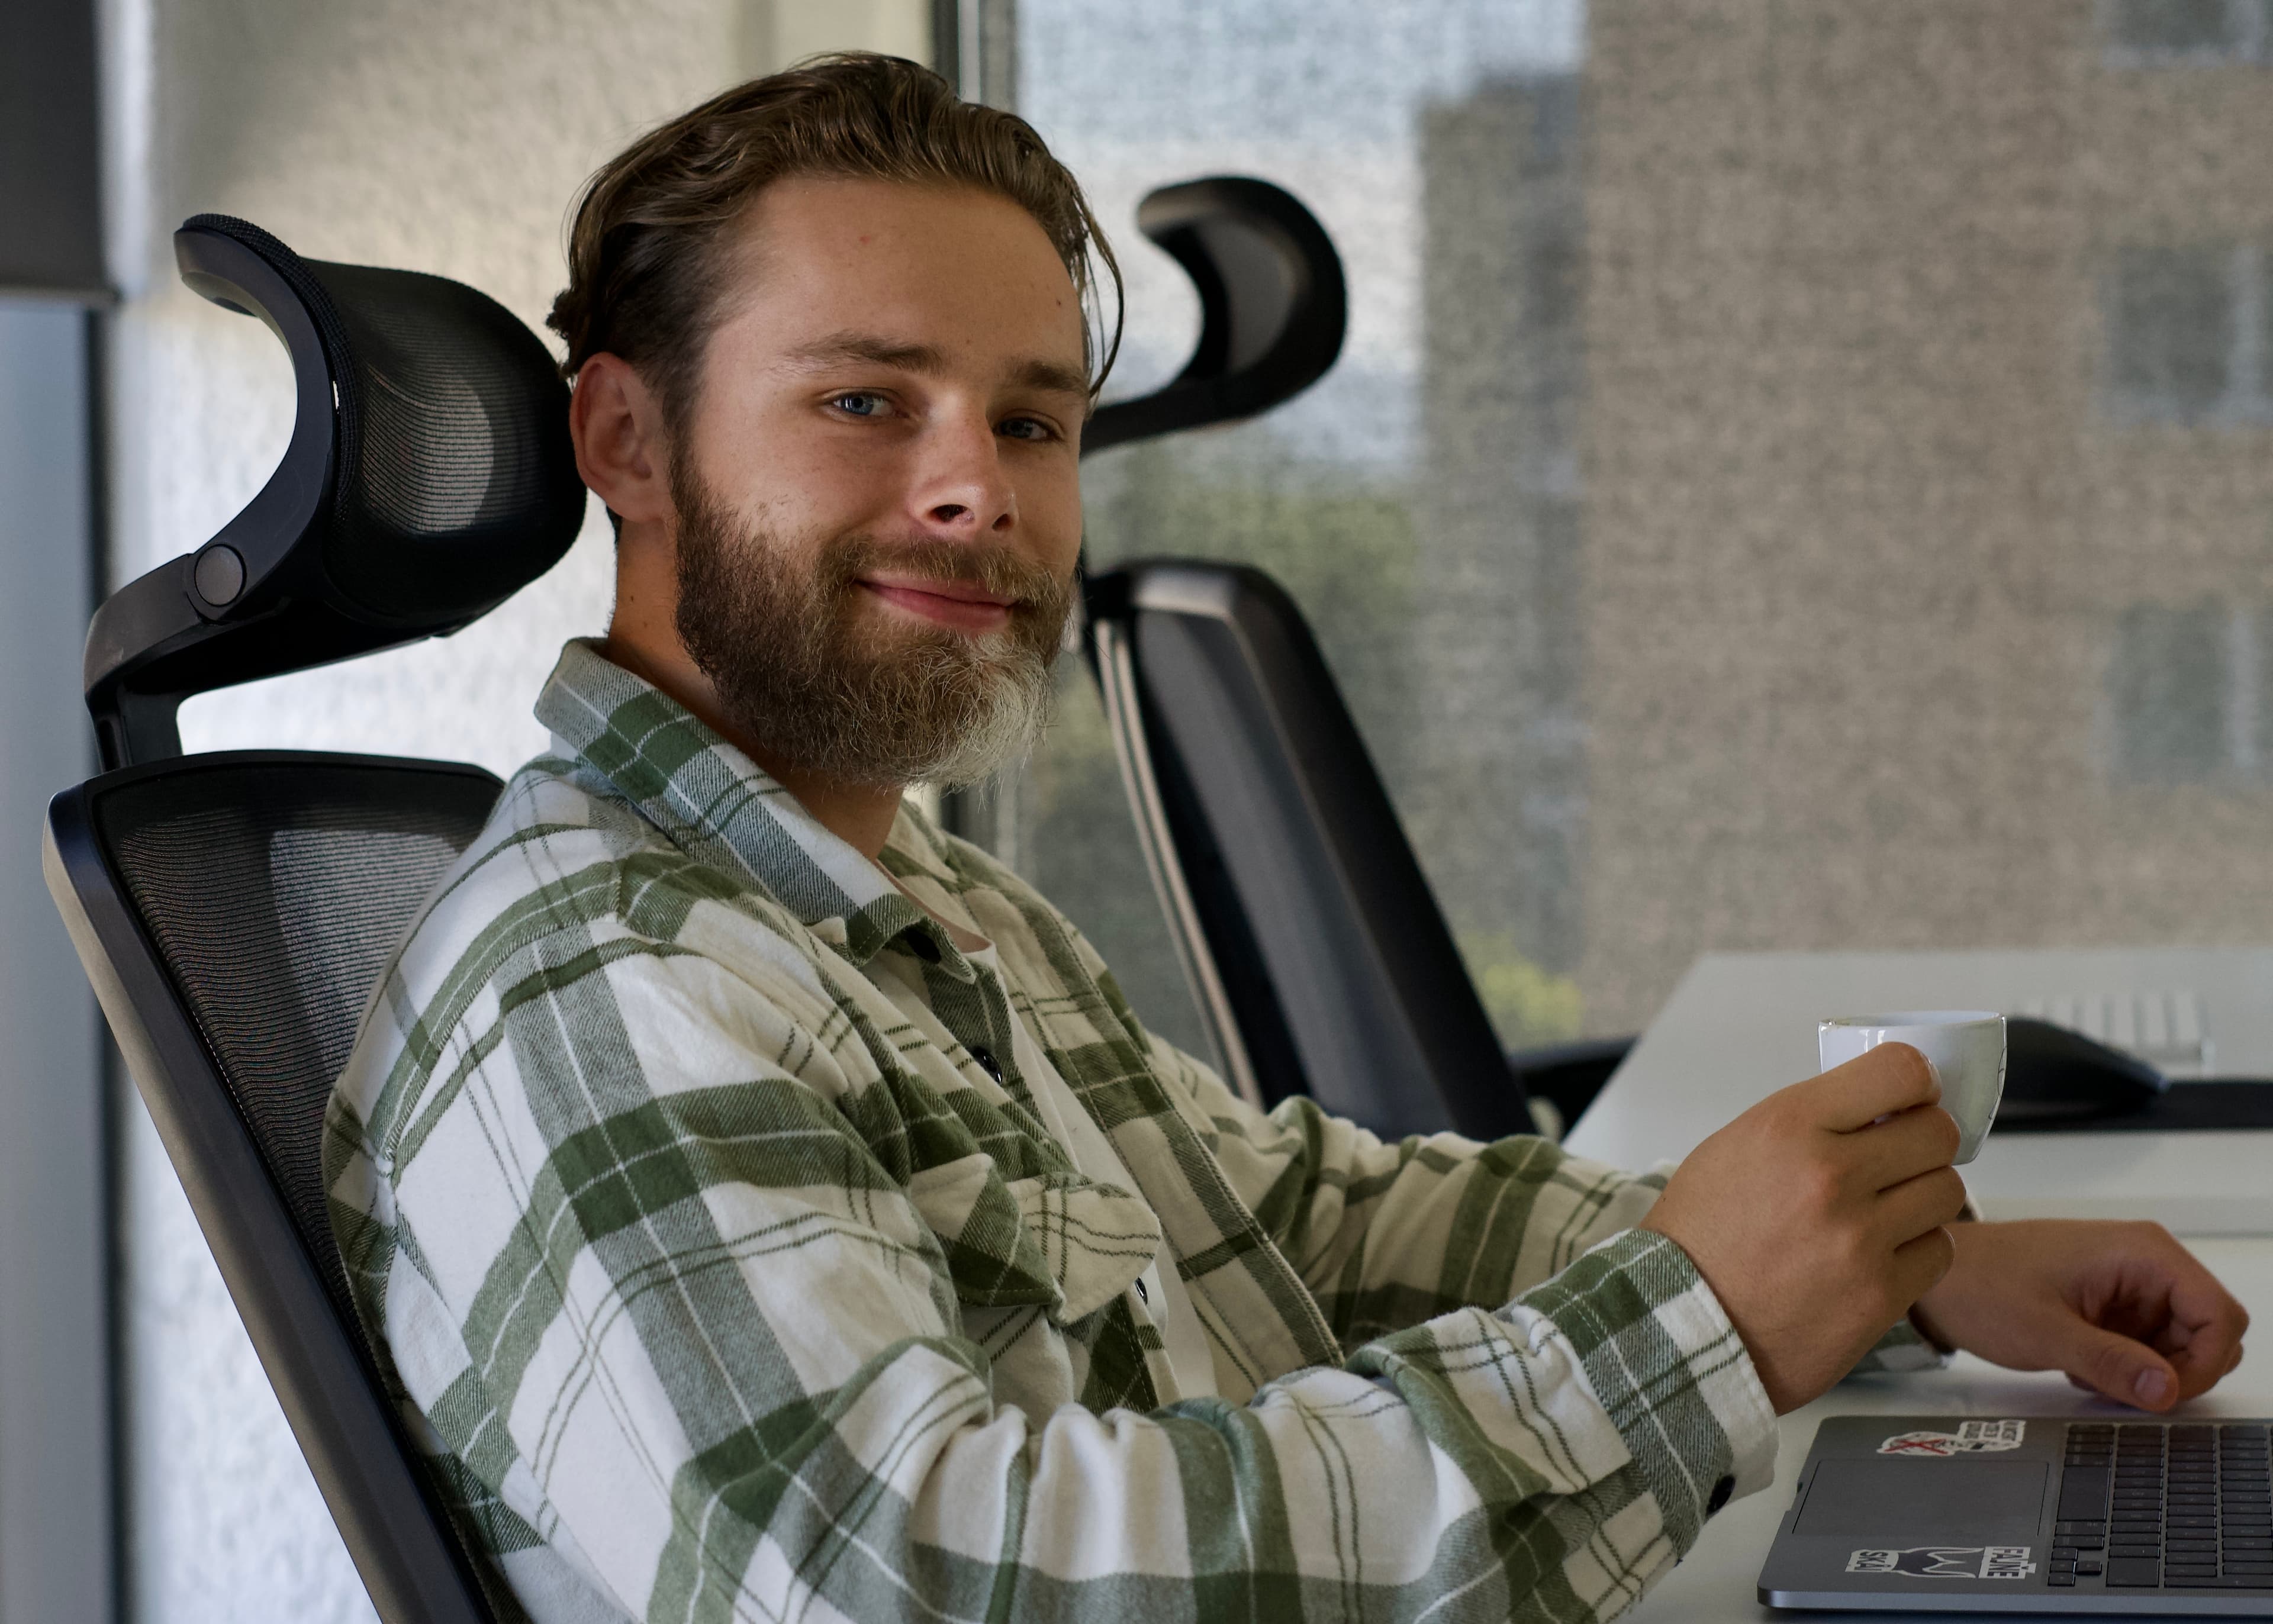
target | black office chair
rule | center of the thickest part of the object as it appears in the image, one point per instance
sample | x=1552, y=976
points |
x=234, y=910
x=1315, y=949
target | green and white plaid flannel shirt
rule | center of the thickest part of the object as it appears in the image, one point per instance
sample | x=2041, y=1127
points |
x=722, y=1280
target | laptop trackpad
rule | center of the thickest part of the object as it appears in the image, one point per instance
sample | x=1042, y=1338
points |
x=1892, y=1500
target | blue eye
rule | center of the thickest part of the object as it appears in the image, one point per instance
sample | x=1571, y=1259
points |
x=1024, y=429
x=858, y=403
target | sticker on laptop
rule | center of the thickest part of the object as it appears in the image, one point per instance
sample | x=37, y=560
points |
x=1946, y=1562
x=1970, y=1438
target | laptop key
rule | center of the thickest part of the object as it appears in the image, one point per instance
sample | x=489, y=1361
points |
x=2134, y=1570
x=2083, y=1492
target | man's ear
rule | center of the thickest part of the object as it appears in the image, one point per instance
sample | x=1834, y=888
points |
x=621, y=452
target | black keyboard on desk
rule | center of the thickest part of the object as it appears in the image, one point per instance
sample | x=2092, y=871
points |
x=2165, y=1505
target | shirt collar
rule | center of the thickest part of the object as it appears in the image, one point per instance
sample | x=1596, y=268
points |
x=718, y=806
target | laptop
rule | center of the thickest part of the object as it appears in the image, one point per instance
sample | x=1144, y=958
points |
x=1959, y=1514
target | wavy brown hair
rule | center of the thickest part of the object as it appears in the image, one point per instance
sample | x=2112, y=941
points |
x=651, y=229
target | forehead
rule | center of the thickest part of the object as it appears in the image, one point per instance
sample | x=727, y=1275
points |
x=965, y=271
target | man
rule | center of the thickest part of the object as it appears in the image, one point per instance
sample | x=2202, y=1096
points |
x=767, y=1206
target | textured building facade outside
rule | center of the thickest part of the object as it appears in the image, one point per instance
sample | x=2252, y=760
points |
x=1925, y=541
x=1497, y=605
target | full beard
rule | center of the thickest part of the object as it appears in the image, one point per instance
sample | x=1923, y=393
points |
x=889, y=702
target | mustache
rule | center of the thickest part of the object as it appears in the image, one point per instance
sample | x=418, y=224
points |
x=998, y=571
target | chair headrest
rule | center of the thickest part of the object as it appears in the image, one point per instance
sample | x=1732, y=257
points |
x=429, y=476
x=1274, y=306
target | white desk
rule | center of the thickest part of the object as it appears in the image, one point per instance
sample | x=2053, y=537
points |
x=1741, y=1025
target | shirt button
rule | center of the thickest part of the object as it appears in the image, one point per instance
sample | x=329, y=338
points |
x=987, y=1063
x=1720, y=1492
x=921, y=945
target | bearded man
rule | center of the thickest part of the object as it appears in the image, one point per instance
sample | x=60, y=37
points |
x=767, y=1206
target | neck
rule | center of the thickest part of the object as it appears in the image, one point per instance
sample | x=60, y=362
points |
x=643, y=639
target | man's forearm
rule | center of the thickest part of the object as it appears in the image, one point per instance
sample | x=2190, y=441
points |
x=1594, y=1426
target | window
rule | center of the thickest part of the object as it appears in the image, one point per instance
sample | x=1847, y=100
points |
x=2173, y=679
x=2187, y=335
x=2189, y=690
x=2146, y=33
x=1740, y=517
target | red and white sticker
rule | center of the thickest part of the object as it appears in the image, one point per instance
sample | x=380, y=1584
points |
x=1970, y=1438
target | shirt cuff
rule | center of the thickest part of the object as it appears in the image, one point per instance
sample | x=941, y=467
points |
x=1670, y=1371
x=1904, y=1347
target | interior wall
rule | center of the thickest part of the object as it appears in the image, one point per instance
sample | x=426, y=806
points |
x=421, y=133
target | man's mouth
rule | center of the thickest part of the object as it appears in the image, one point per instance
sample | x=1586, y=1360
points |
x=962, y=605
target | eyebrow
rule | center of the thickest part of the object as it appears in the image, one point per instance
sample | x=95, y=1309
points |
x=928, y=360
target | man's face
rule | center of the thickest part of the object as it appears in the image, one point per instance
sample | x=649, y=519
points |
x=880, y=506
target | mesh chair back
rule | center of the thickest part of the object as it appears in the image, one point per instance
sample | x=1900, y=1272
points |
x=235, y=912
x=274, y=892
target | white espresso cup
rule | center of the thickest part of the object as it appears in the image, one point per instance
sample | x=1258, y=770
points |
x=1965, y=1047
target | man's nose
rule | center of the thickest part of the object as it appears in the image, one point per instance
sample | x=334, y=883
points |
x=962, y=491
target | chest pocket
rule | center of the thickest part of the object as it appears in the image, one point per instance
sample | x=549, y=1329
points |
x=1055, y=1238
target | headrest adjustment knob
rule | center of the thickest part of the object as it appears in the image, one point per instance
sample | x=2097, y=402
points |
x=218, y=575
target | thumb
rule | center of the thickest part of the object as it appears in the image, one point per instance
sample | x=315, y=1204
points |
x=2117, y=1368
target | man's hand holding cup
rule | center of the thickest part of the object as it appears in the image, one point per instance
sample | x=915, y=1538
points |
x=1817, y=1216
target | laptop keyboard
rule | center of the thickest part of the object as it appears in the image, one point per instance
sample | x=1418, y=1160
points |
x=2174, y=1506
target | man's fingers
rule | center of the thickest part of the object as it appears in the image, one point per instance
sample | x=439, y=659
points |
x=2117, y=1368
x=1927, y=1201
x=2210, y=1353
x=1889, y=1078
x=1911, y=1143
x=1921, y=1262
x=2205, y=1324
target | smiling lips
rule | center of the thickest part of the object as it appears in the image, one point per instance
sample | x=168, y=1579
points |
x=955, y=604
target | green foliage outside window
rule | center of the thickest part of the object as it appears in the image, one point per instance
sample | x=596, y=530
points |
x=1529, y=1005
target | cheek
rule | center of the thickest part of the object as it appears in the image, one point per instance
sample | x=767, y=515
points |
x=797, y=477
x=1051, y=507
